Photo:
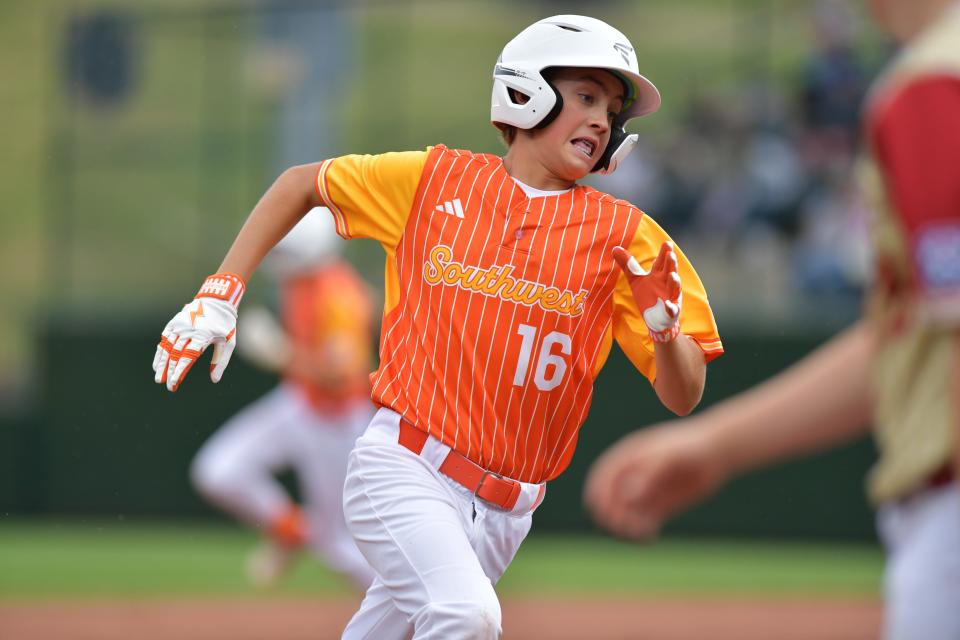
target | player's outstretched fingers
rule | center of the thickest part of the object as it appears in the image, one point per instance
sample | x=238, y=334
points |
x=674, y=288
x=161, y=358
x=222, y=350
x=627, y=262
x=187, y=354
x=176, y=350
x=665, y=257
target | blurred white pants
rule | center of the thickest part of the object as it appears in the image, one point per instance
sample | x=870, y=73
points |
x=922, y=577
x=437, y=549
x=236, y=467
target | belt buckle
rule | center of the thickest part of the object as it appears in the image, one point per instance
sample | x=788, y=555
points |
x=484, y=477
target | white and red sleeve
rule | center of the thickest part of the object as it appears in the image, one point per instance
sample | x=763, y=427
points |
x=915, y=135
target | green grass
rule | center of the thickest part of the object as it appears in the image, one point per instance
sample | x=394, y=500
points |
x=57, y=560
x=706, y=568
x=76, y=560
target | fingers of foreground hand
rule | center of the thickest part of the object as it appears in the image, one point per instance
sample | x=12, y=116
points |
x=623, y=516
x=633, y=511
x=634, y=525
x=597, y=487
x=610, y=484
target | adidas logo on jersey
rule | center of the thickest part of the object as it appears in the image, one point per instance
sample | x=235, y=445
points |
x=453, y=207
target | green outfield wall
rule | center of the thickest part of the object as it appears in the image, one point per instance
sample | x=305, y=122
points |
x=105, y=440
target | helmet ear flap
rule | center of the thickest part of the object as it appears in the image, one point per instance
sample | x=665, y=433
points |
x=508, y=84
x=554, y=112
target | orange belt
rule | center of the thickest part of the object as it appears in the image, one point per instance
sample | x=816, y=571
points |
x=484, y=484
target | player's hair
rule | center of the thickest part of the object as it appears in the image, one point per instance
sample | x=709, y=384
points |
x=508, y=133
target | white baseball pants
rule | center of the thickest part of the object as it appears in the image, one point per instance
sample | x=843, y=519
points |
x=922, y=577
x=236, y=468
x=436, y=548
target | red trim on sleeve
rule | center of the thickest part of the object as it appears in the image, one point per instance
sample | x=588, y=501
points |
x=915, y=135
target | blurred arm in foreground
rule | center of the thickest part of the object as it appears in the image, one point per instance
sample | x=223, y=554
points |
x=899, y=367
x=652, y=474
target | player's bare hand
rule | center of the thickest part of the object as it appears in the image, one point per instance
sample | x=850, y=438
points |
x=649, y=476
x=210, y=318
x=657, y=291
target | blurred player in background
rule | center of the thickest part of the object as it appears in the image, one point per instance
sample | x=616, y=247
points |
x=898, y=368
x=309, y=422
x=506, y=284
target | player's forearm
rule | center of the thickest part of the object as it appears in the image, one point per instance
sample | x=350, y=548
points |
x=681, y=373
x=821, y=401
x=287, y=200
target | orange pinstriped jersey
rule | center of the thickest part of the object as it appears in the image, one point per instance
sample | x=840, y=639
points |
x=328, y=315
x=500, y=309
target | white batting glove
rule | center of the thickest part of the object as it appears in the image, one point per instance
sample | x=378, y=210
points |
x=211, y=317
x=657, y=292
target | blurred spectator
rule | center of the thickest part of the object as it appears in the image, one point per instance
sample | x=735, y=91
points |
x=757, y=171
x=309, y=422
x=832, y=253
x=835, y=79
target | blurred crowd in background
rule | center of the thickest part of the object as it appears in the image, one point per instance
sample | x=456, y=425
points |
x=149, y=129
x=760, y=177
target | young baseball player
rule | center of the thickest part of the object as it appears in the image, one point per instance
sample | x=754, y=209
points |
x=506, y=284
x=898, y=368
x=308, y=423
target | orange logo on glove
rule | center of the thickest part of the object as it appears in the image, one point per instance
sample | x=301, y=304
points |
x=196, y=314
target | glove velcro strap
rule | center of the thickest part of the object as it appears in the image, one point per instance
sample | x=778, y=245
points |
x=666, y=335
x=228, y=287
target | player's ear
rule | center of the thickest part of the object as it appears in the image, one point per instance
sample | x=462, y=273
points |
x=518, y=97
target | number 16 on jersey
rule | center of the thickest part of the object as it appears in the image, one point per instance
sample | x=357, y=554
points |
x=550, y=366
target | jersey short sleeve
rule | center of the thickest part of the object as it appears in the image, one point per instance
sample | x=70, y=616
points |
x=370, y=196
x=916, y=141
x=696, y=317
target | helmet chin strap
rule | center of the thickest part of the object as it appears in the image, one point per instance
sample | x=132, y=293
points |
x=620, y=145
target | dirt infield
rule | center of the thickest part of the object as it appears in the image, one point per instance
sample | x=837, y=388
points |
x=524, y=619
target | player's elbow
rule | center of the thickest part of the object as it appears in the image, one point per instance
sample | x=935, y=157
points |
x=682, y=397
x=684, y=407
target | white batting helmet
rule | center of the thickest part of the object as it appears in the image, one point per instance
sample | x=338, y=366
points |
x=311, y=242
x=569, y=41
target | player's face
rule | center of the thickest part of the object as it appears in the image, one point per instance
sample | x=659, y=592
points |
x=571, y=145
